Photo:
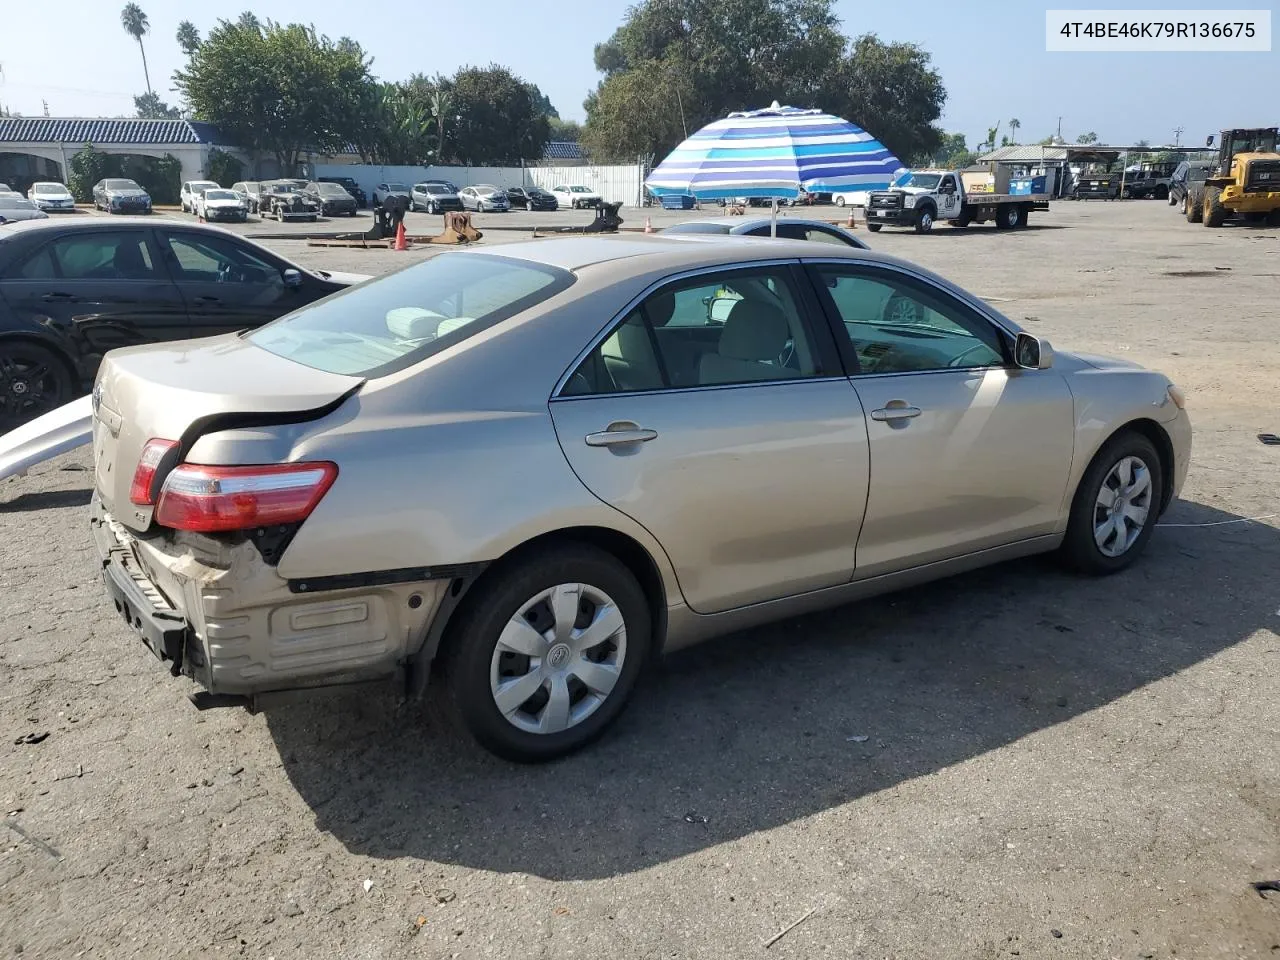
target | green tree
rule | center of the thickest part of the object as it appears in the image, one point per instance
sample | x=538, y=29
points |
x=676, y=65
x=952, y=153
x=1086, y=138
x=151, y=107
x=397, y=126
x=1014, y=124
x=499, y=116
x=224, y=168
x=276, y=88
x=136, y=25
x=188, y=37
x=565, y=130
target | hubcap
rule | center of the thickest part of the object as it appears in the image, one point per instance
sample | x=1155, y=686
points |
x=1122, y=507
x=558, y=658
x=28, y=387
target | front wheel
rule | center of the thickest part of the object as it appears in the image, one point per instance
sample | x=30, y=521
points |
x=1215, y=214
x=546, y=652
x=924, y=221
x=1115, y=507
x=1193, y=207
x=874, y=227
x=839, y=201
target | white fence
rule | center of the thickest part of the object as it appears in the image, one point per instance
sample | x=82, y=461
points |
x=616, y=184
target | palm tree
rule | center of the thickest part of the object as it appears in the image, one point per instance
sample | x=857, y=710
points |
x=1014, y=124
x=439, y=105
x=188, y=37
x=136, y=25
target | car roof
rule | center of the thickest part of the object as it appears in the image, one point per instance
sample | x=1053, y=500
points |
x=750, y=223
x=675, y=250
x=102, y=223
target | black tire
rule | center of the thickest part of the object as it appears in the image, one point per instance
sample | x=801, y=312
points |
x=467, y=659
x=33, y=381
x=1023, y=213
x=924, y=219
x=962, y=221
x=1006, y=217
x=874, y=227
x=1194, y=207
x=1215, y=214
x=840, y=201
x=1080, y=549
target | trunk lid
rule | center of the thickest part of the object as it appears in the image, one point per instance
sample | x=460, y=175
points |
x=177, y=391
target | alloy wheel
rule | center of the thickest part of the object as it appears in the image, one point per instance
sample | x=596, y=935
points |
x=558, y=658
x=1122, y=506
x=29, y=384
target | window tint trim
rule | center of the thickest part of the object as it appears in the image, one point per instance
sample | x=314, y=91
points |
x=810, y=318
x=869, y=270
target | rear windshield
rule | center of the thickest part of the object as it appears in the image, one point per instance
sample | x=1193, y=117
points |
x=121, y=185
x=388, y=324
x=696, y=227
x=221, y=195
x=56, y=188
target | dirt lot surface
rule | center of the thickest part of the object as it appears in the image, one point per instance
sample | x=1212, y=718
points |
x=1053, y=767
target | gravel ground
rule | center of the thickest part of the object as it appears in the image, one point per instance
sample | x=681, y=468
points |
x=1053, y=767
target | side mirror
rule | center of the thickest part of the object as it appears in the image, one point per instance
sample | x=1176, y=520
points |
x=1032, y=353
x=719, y=308
x=1209, y=140
x=292, y=278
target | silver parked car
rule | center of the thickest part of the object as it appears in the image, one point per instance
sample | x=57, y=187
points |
x=484, y=198
x=49, y=196
x=16, y=208
x=788, y=228
x=539, y=467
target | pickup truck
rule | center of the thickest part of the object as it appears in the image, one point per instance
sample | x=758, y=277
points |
x=923, y=197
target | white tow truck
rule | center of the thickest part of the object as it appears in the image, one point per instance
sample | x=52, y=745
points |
x=921, y=198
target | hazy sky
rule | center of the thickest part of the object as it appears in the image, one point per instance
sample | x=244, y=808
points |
x=991, y=54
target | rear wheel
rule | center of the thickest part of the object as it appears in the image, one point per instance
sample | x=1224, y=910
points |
x=1115, y=507
x=1215, y=214
x=547, y=651
x=1023, y=214
x=33, y=381
x=1007, y=217
x=1192, y=207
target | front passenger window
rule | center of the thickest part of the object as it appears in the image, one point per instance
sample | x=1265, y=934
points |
x=898, y=325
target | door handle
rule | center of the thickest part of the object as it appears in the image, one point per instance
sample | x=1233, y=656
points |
x=620, y=432
x=208, y=300
x=55, y=297
x=896, y=410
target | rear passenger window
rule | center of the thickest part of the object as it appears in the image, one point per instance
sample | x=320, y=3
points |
x=741, y=327
x=91, y=256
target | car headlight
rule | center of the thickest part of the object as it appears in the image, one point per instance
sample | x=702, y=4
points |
x=909, y=201
x=1178, y=397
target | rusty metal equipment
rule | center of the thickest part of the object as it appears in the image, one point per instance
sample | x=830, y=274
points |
x=457, y=229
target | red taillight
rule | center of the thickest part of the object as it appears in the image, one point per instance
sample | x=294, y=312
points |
x=144, y=477
x=209, y=499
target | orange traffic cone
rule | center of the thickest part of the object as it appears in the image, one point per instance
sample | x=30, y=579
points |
x=400, y=241
x=648, y=225
x=850, y=224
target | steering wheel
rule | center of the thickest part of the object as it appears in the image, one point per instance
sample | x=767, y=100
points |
x=957, y=361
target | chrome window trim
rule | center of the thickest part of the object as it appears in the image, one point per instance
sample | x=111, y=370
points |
x=634, y=302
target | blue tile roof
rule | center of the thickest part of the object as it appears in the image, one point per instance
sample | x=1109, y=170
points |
x=563, y=150
x=79, y=130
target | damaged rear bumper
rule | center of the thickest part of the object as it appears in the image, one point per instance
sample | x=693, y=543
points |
x=219, y=614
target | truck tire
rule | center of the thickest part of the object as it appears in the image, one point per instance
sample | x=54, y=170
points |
x=1171, y=198
x=874, y=227
x=1007, y=217
x=1192, y=206
x=1215, y=214
x=924, y=219
x=1023, y=213
x=962, y=221
x=839, y=200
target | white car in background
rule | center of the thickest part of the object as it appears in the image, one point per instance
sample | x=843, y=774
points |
x=575, y=195
x=192, y=190
x=49, y=196
x=217, y=203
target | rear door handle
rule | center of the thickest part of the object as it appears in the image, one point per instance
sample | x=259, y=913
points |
x=896, y=410
x=620, y=432
x=55, y=297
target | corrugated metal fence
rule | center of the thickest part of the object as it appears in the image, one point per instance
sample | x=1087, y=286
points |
x=615, y=183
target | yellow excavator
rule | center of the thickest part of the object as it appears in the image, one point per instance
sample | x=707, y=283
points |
x=1245, y=181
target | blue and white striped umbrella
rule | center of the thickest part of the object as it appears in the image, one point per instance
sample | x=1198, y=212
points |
x=775, y=153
